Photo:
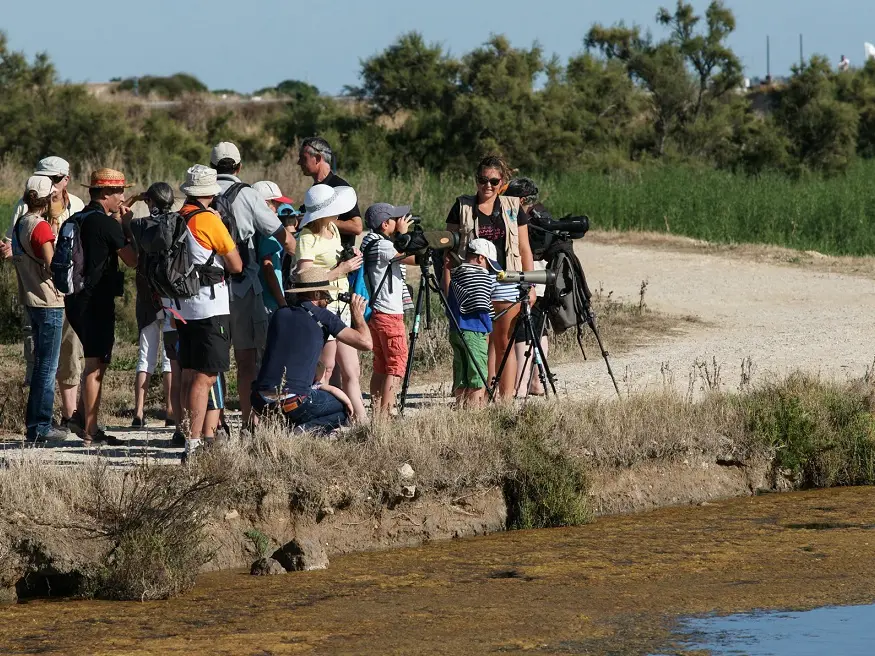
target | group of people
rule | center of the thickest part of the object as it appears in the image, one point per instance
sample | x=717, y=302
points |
x=273, y=283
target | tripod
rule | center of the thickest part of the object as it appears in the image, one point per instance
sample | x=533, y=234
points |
x=533, y=344
x=428, y=283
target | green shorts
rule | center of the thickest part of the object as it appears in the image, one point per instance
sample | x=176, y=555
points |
x=465, y=366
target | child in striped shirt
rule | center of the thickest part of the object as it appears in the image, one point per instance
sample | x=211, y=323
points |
x=470, y=300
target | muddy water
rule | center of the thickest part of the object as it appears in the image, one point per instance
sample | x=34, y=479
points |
x=619, y=585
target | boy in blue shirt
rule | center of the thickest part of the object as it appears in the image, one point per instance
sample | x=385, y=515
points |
x=268, y=250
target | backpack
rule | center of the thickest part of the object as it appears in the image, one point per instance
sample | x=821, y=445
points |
x=361, y=283
x=68, y=262
x=567, y=301
x=167, y=263
x=223, y=204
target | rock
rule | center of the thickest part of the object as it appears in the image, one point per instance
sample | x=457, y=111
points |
x=302, y=554
x=406, y=472
x=266, y=567
x=231, y=514
x=8, y=595
x=408, y=491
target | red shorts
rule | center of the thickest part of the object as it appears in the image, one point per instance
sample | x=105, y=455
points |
x=390, y=343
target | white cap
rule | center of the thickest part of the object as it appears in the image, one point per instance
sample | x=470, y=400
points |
x=224, y=150
x=487, y=249
x=52, y=166
x=40, y=184
x=271, y=191
x=200, y=182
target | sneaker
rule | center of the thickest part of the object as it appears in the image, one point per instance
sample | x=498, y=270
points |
x=102, y=438
x=51, y=435
x=138, y=422
x=178, y=439
x=74, y=424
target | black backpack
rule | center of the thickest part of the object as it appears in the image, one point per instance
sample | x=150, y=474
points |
x=223, y=204
x=167, y=263
x=567, y=301
x=68, y=262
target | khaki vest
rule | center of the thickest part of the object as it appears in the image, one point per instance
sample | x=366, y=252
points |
x=35, y=286
x=468, y=227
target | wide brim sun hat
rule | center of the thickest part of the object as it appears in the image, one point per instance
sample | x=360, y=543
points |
x=107, y=179
x=314, y=279
x=322, y=201
x=200, y=182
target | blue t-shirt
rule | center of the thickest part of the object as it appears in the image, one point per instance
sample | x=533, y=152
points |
x=270, y=247
x=294, y=344
x=476, y=322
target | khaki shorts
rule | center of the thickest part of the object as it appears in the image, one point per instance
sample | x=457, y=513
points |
x=248, y=322
x=70, y=366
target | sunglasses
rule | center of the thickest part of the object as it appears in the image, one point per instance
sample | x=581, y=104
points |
x=482, y=180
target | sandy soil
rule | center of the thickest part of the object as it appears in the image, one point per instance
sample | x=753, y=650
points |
x=782, y=317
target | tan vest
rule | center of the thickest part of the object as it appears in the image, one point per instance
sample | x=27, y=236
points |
x=468, y=227
x=35, y=286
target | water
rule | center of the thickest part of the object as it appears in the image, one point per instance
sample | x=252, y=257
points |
x=846, y=630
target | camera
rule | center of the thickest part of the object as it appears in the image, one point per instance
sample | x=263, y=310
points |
x=344, y=297
x=544, y=230
x=419, y=241
x=415, y=220
x=346, y=254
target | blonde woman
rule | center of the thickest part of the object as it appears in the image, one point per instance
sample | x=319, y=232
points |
x=319, y=244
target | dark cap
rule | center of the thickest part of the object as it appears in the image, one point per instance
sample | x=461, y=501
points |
x=379, y=213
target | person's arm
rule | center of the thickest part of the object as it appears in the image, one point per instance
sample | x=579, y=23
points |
x=5, y=249
x=47, y=252
x=128, y=255
x=233, y=261
x=342, y=269
x=358, y=335
x=273, y=285
x=341, y=396
x=351, y=226
x=286, y=238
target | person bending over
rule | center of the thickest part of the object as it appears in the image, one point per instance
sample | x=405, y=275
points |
x=295, y=338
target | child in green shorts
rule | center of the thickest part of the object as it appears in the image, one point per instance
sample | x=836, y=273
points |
x=470, y=300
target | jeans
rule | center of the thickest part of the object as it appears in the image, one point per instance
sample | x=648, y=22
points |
x=47, y=325
x=320, y=412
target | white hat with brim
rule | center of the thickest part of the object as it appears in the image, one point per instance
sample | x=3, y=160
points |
x=200, y=182
x=322, y=201
x=314, y=279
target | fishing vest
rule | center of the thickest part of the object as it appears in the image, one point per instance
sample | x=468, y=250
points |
x=35, y=286
x=468, y=228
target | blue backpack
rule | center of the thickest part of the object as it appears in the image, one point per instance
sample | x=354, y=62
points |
x=68, y=262
x=358, y=285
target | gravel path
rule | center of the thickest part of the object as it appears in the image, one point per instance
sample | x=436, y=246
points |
x=782, y=318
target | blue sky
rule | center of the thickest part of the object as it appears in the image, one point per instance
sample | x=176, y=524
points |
x=249, y=44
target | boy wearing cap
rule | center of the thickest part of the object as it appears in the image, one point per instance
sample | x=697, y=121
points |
x=470, y=299
x=269, y=251
x=387, y=300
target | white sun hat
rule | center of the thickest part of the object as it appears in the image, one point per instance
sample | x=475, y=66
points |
x=322, y=200
x=200, y=182
x=52, y=166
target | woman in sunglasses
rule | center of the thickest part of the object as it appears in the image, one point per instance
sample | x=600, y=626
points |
x=501, y=220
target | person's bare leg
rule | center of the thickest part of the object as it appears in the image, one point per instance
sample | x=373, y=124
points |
x=246, y=373
x=91, y=393
x=169, y=409
x=387, y=394
x=176, y=393
x=141, y=384
x=327, y=360
x=376, y=389
x=211, y=423
x=197, y=387
x=69, y=397
x=502, y=334
x=350, y=372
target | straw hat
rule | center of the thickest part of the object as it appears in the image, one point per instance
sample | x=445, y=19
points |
x=107, y=179
x=200, y=182
x=314, y=279
x=322, y=200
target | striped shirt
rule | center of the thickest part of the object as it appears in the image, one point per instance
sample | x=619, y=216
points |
x=473, y=286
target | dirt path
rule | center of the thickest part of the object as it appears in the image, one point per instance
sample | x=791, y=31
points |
x=781, y=317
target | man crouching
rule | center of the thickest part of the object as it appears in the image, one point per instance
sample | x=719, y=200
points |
x=295, y=338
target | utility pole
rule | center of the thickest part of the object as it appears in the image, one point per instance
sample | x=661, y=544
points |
x=801, y=53
x=768, y=60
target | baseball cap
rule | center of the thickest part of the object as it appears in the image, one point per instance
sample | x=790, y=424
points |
x=52, y=166
x=225, y=150
x=487, y=249
x=271, y=191
x=379, y=213
x=40, y=184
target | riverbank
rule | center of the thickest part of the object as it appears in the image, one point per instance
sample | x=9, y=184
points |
x=436, y=475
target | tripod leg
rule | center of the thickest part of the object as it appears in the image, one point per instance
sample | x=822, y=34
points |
x=414, y=333
x=544, y=372
x=500, y=370
x=590, y=320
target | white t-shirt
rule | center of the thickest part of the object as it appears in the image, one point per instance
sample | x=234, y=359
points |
x=390, y=299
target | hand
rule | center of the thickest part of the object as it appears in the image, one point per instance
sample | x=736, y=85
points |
x=351, y=265
x=357, y=306
x=5, y=249
x=533, y=297
x=125, y=213
x=403, y=225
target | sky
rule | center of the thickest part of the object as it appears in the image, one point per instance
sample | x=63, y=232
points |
x=250, y=44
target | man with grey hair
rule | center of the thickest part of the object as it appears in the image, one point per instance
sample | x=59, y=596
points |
x=248, y=315
x=315, y=158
